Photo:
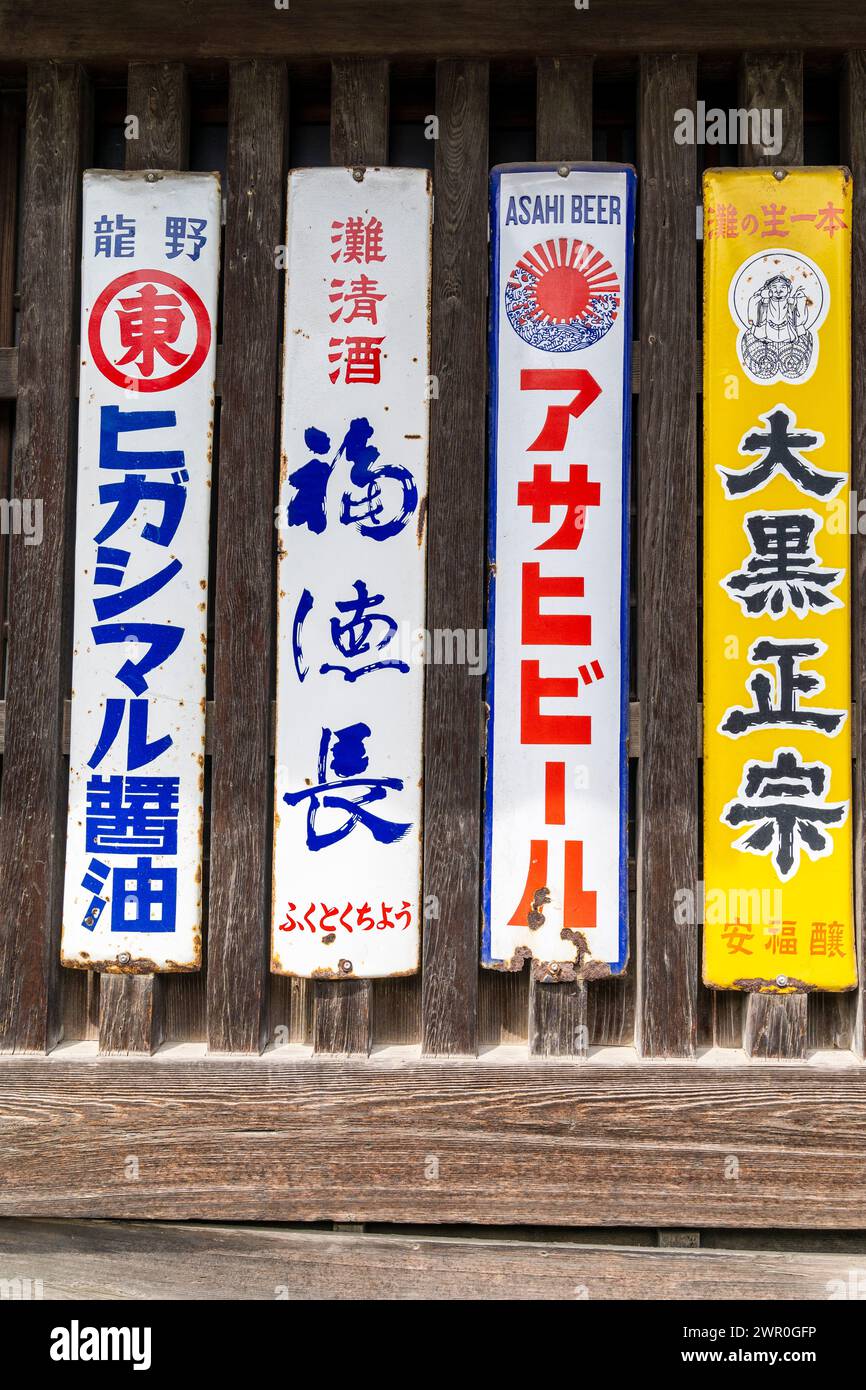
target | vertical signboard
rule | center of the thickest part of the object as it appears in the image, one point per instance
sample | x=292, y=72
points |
x=351, y=574
x=555, y=811
x=777, y=705
x=136, y=775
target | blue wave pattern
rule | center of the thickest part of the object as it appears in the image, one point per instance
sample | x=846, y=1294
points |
x=580, y=332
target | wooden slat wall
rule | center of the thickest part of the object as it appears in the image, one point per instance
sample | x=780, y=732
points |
x=455, y=541
x=34, y=776
x=444, y=1007
x=667, y=810
x=775, y=1024
x=242, y=777
x=342, y=1009
x=131, y=1008
x=854, y=152
x=558, y=1012
x=8, y=240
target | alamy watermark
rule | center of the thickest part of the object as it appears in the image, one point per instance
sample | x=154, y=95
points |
x=22, y=516
x=737, y=126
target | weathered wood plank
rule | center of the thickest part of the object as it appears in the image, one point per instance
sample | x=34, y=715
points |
x=241, y=795
x=558, y=1013
x=9, y=142
x=34, y=780
x=455, y=563
x=209, y=30
x=158, y=97
x=433, y=1141
x=775, y=1025
x=112, y=1260
x=854, y=152
x=342, y=1009
x=8, y=372
x=130, y=1014
x=667, y=576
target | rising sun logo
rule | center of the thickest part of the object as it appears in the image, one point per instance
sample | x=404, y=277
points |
x=562, y=295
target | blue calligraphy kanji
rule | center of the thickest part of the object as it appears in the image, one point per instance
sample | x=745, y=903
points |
x=114, y=236
x=352, y=636
x=184, y=235
x=126, y=815
x=348, y=760
x=143, y=898
x=386, y=495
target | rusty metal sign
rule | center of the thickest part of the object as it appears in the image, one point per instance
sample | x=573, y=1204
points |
x=555, y=815
x=351, y=574
x=134, y=842
x=778, y=911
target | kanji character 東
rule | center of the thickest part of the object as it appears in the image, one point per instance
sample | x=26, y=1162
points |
x=149, y=323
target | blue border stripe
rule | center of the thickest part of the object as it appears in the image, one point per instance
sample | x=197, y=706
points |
x=496, y=174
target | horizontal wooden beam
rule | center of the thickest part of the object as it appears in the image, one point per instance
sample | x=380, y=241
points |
x=208, y=30
x=9, y=372
x=633, y=726
x=288, y=1137
x=133, y=1260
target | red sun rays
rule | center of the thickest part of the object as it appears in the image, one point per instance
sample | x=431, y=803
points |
x=566, y=277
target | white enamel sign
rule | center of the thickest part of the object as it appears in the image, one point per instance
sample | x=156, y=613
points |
x=555, y=809
x=351, y=574
x=148, y=336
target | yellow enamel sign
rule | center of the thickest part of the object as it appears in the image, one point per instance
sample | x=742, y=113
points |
x=778, y=908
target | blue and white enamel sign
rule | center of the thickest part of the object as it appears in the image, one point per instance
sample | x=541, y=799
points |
x=351, y=575
x=555, y=884
x=136, y=765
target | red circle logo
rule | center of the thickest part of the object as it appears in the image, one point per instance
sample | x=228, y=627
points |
x=158, y=334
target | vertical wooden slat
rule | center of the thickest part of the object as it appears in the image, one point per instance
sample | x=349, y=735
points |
x=131, y=1015
x=558, y=1012
x=775, y=1024
x=854, y=147
x=667, y=573
x=359, y=135
x=8, y=222
x=455, y=560
x=240, y=762
x=34, y=780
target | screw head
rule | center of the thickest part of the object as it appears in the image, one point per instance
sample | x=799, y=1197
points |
x=346, y=966
x=781, y=980
x=124, y=958
x=554, y=967
x=151, y=178
x=779, y=174
x=358, y=175
x=563, y=171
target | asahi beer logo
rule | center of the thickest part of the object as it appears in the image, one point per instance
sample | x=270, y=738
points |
x=779, y=300
x=562, y=295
